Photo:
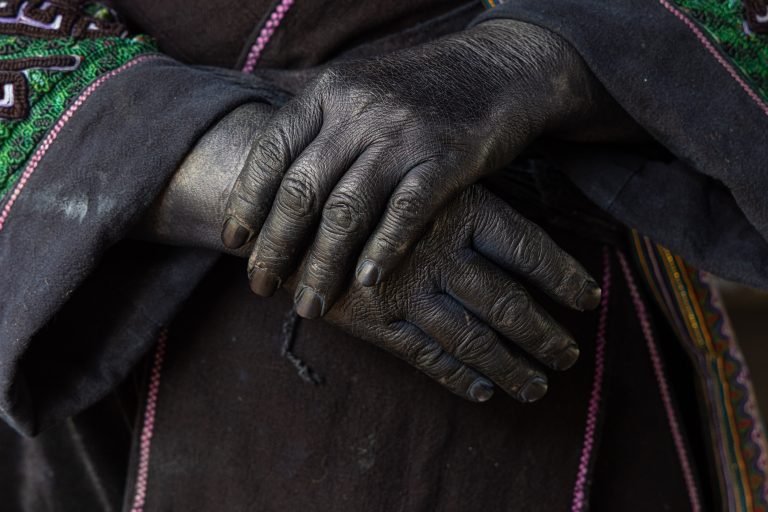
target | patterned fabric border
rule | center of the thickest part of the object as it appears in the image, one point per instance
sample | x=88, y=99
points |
x=694, y=309
x=737, y=31
x=41, y=76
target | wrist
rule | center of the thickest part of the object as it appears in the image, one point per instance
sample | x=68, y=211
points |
x=190, y=210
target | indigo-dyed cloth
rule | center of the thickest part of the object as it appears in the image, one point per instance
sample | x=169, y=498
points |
x=690, y=75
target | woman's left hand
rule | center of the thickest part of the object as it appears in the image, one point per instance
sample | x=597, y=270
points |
x=356, y=167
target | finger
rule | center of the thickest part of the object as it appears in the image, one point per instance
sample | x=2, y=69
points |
x=474, y=343
x=296, y=211
x=520, y=246
x=411, y=344
x=506, y=307
x=285, y=137
x=349, y=216
x=412, y=206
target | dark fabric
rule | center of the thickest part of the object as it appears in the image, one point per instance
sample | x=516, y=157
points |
x=687, y=211
x=662, y=75
x=377, y=435
x=637, y=467
x=238, y=429
x=81, y=464
x=221, y=33
x=106, y=166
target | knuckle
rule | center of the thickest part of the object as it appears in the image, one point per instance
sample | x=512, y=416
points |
x=529, y=255
x=408, y=202
x=426, y=356
x=271, y=154
x=512, y=313
x=344, y=212
x=297, y=196
x=453, y=378
x=474, y=345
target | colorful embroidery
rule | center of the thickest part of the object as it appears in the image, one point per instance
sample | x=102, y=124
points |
x=757, y=15
x=740, y=33
x=49, y=53
x=266, y=33
x=694, y=309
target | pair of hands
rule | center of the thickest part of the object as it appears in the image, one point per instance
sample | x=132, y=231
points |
x=369, y=173
x=359, y=164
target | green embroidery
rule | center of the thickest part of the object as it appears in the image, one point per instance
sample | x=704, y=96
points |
x=51, y=92
x=723, y=20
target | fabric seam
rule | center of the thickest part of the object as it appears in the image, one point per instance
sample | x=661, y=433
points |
x=704, y=40
x=677, y=437
x=147, y=431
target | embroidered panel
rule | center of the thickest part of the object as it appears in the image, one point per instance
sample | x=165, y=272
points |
x=50, y=51
x=693, y=307
x=740, y=30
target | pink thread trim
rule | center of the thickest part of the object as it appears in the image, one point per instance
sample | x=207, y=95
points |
x=149, y=424
x=266, y=34
x=722, y=60
x=579, y=488
x=658, y=369
x=43, y=148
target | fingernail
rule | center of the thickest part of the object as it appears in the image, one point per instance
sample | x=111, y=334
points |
x=534, y=389
x=234, y=235
x=589, y=298
x=309, y=304
x=567, y=357
x=368, y=273
x=264, y=282
x=481, y=390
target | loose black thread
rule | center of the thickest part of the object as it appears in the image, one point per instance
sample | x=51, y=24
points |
x=306, y=373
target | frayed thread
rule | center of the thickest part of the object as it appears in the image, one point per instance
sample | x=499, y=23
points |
x=306, y=373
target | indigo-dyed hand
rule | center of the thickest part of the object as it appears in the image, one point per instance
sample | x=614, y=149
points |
x=356, y=167
x=453, y=310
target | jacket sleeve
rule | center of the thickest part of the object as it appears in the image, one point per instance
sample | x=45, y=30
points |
x=694, y=74
x=93, y=121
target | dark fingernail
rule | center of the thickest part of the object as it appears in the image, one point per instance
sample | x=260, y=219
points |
x=534, y=389
x=481, y=390
x=368, y=273
x=234, y=235
x=566, y=358
x=589, y=298
x=264, y=282
x=309, y=304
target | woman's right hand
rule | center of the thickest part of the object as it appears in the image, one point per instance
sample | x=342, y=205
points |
x=454, y=311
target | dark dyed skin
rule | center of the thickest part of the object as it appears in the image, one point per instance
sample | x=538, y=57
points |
x=450, y=309
x=358, y=165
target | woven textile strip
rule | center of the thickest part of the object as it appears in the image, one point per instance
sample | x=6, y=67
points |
x=693, y=306
x=45, y=67
x=738, y=32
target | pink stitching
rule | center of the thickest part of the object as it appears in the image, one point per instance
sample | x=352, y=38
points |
x=658, y=369
x=723, y=62
x=43, y=148
x=579, y=488
x=266, y=34
x=149, y=425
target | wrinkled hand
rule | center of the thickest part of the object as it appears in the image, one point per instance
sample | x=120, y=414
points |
x=452, y=311
x=369, y=153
